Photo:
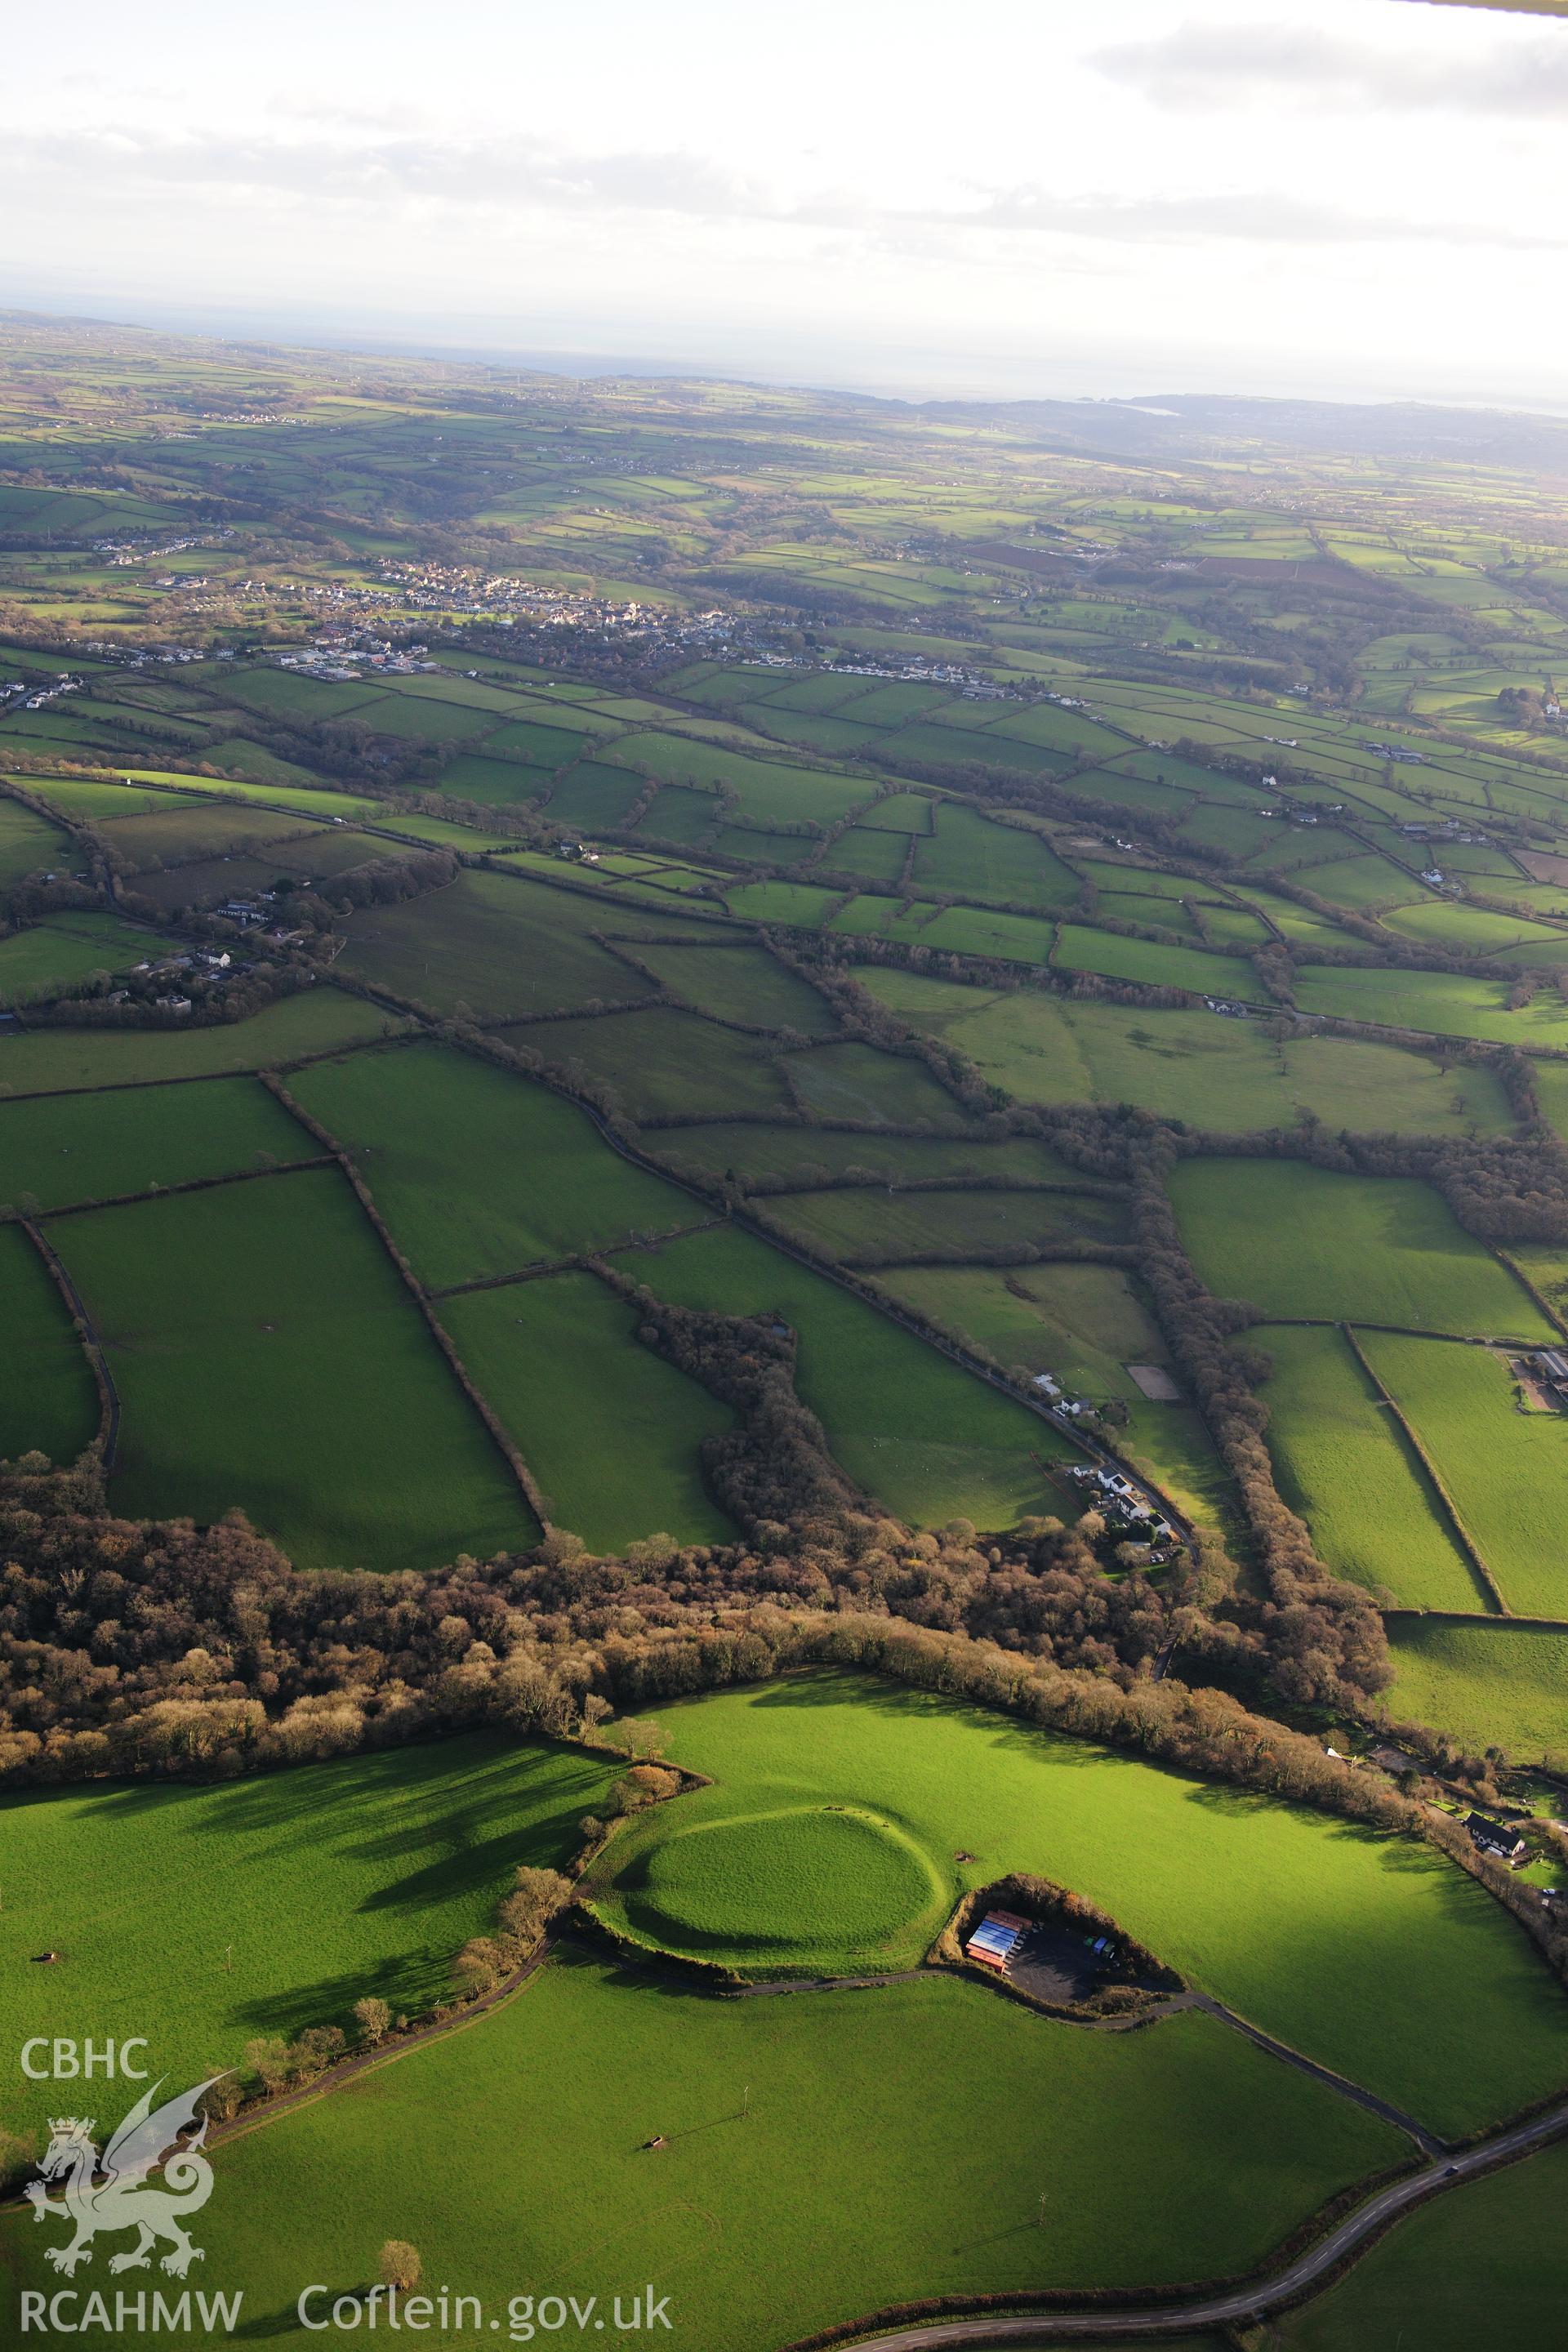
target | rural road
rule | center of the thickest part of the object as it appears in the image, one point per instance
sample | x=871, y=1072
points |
x=1259, y=2295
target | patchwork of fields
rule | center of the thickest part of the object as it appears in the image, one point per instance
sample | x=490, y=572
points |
x=840, y=1012
x=481, y=1177
x=334, y=1406
x=265, y=1300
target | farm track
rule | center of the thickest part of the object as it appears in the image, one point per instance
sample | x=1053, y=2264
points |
x=1425, y=2141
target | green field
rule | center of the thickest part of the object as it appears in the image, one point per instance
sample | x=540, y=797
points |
x=794, y=903
x=497, y=783
x=1506, y=1470
x=242, y=758
x=1084, y=1323
x=325, y=1410
x=1080, y=949
x=363, y=1876
x=1492, y=1685
x=976, y=932
x=1343, y=1462
x=191, y=828
x=63, y=950
x=1226, y=1076
x=740, y=983
x=56, y=1150
x=1129, y=906
x=753, y=846
x=1233, y=927
x=1300, y=1241
x=1551, y=1090
x=274, y=690
x=950, y=746
x=876, y=852
x=752, y=1150
x=1425, y=1991
x=92, y=797
x=894, y=918
x=861, y=1083
x=208, y=882
x=597, y=798
x=493, y=942
x=62, y=1061
x=749, y=2243
x=540, y=747
x=1476, y=931
x=866, y=1225
x=1482, y=2265
x=476, y=1172
x=681, y=814
x=663, y=1063
x=49, y=1404
x=610, y=1430
x=766, y=789
x=1446, y=1004
x=1170, y=1444
x=313, y=800
x=973, y=857
x=29, y=843
x=933, y=1441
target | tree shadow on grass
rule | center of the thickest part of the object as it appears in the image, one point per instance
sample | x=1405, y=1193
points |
x=471, y=1814
x=408, y=1982
x=285, y=2321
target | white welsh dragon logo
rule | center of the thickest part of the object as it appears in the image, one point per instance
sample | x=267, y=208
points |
x=108, y=2192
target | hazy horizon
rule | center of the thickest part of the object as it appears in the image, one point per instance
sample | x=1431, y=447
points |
x=1346, y=201
x=388, y=339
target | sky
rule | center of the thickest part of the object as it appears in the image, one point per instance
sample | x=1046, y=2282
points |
x=1330, y=198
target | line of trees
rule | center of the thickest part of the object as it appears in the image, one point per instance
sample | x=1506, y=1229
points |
x=159, y=1647
x=1326, y=1642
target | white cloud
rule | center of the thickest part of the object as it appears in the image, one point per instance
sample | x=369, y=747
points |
x=521, y=176
x=1203, y=68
